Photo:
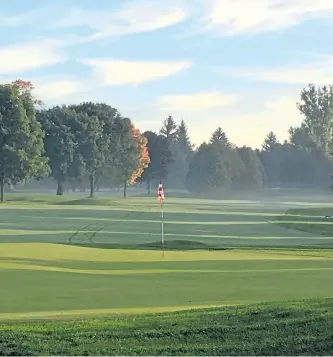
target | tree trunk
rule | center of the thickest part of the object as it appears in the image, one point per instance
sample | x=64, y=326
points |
x=125, y=189
x=2, y=189
x=92, y=186
x=60, y=188
x=149, y=187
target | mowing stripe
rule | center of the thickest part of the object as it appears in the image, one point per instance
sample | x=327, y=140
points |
x=13, y=232
x=86, y=313
x=18, y=266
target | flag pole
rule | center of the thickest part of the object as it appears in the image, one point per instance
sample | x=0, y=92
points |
x=162, y=228
x=160, y=196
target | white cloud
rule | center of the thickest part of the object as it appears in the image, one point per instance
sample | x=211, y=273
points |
x=232, y=17
x=195, y=102
x=24, y=57
x=243, y=128
x=277, y=115
x=262, y=110
x=317, y=72
x=57, y=88
x=113, y=72
x=132, y=17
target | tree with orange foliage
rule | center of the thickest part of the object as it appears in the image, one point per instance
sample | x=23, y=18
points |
x=142, y=153
x=131, y=153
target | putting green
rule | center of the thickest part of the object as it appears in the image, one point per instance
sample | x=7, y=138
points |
x=45, y=280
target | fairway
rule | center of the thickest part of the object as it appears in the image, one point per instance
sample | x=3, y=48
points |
x=44, y=276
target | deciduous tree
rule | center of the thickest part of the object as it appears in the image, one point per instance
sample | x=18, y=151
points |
x=160, y=157
x=316, y=106
x=21, y=136
x=59, y=142
x=132, y=154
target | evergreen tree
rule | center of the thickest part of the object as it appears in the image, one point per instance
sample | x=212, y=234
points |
x=232, y=161
x=181, y=153
x=253, y=172
x=270, y=158
x=219, y=136
x=207, y=171
x=169, y=130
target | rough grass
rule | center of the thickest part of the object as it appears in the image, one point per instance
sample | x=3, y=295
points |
x=300, y=328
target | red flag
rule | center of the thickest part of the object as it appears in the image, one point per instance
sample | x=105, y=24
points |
x=160, y=193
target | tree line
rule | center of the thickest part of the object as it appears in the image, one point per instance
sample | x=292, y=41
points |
x=92, y=144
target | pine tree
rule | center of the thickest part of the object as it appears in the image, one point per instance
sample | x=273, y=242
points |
x=219, y=136
x=270, y=142
x=181, y=152
x=169, y=130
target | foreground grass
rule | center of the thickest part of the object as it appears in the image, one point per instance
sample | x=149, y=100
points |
x=294, y=328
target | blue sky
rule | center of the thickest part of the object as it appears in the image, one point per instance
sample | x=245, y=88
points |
x=238, y=64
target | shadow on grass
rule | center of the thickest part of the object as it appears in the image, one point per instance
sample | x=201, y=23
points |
x=320, y=223
x=179, y=245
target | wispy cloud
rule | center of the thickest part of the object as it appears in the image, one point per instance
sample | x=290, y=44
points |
x=233, y=17
x=56, y=89
x=132, y=17
x=115, y=72
x=245, y=126
x=277, y=115
x=195, y=102
x=317, y=72
x=27, y=56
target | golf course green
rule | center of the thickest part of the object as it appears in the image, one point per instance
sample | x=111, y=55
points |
x=69, y=258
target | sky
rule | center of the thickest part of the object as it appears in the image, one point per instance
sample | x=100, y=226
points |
x=238, y=64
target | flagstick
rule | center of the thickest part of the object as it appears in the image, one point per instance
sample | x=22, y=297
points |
x=162, y=224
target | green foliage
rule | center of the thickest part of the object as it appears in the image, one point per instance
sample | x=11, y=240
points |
x=60, y=142
x=316, y=106
x=21, y=137
x=219, y=136
x=270, y=158
x=128, y=143
x=301, y=138
x=93, y=146
x=96, y=139
x=207, y=171
x=169, y=130
x=270, y=143
x=160, y=158
x=182, y=150
x=252, y=173
x=293, y=328
x=183, y=139
x=90, y=144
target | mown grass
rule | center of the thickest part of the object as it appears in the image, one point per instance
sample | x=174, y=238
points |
x=63, y=258
x=49, y=279
x=309, y=220
x=135, y=223
x=289, y=328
